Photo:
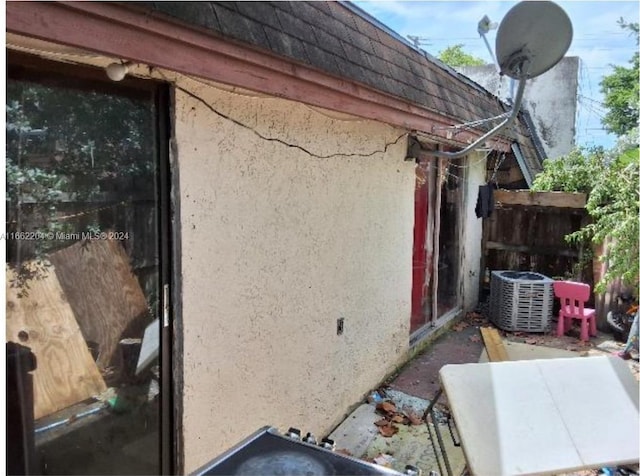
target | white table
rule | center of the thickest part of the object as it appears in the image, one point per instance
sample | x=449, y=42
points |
x=544, y=416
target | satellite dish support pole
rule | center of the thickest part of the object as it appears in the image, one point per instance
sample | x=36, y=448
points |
x=524, y=68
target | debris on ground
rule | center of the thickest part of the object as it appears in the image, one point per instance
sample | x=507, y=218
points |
x=388, y=430
x=475, y=315
x=414, y=419
x=386, y=408
x=374, y=397
x=387, y=426
x=461, y=326
x=383, y=459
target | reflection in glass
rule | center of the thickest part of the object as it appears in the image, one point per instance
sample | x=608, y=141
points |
x=82, y=274
x=451, y=206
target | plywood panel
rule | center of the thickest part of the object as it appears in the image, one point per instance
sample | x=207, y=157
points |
x=41, y=319
x=104, y=294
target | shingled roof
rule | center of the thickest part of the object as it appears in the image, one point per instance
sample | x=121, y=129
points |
x=342, y=40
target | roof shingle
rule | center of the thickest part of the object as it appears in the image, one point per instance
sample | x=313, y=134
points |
x=340, y=39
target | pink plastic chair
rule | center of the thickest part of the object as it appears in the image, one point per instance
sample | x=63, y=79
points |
x=572, y=297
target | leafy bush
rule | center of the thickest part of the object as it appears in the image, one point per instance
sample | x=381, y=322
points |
x=611, y=182
x=577, y=172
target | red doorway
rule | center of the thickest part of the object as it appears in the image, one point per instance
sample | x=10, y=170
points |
x=437, y=232
x=422, y=250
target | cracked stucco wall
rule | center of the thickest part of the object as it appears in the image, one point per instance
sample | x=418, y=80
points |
x=277, y=245
x=551, y=99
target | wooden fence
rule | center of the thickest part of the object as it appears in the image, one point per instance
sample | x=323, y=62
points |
x=526, y=232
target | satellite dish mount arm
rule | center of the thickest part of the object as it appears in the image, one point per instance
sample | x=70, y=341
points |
x=522, y=80
x=545, y=39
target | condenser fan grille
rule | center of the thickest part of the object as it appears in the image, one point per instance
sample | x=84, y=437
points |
x=521, y=301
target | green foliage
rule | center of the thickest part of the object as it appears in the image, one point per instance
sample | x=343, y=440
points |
x=66, y=149
x=576, y=172
x=621, y=91
x=454, y=56
x=611, y=180
x=92, y=136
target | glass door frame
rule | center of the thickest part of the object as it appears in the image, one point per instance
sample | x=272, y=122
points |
x=443, y=165
x=21, y=66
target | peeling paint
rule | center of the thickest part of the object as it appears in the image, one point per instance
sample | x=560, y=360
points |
x=550, y=98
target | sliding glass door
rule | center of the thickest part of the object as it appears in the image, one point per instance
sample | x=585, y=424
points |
x=84, y=271
x=451, y=205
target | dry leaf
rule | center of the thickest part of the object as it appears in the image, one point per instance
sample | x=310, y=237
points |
x=460, y=326
x=414, y=419
x=398, y=418
x=386, y=407
x=388, y=430
x=531, y=341
x=381, y=422
x=383, y=460
x=475, y=338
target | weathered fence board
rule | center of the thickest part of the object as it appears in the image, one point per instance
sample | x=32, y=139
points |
x=527, y=230
x=507, y=198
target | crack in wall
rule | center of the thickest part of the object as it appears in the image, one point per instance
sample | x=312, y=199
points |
x=280, y=141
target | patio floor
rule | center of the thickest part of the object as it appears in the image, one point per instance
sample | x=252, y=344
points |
x=417, y=383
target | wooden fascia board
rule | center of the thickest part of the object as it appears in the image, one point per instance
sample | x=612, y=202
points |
x=505, y=198
x=122, y=32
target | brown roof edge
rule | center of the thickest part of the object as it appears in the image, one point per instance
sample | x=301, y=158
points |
x=127, y=33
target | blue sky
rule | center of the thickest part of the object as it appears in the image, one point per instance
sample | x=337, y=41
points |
x=597, y=40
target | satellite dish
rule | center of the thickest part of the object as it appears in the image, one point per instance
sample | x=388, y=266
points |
x=532, y=38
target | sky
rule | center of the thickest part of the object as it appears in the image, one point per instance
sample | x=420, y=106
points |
x=598, y=41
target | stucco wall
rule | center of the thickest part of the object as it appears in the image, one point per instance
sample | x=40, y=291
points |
x=472, y=237
x=550, y=98
x=277, y=245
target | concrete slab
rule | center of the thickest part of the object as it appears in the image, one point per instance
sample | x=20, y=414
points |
x=406, y=402
x=357, y=431
x=412, y=445
x=610, y=346
x=358, y=435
